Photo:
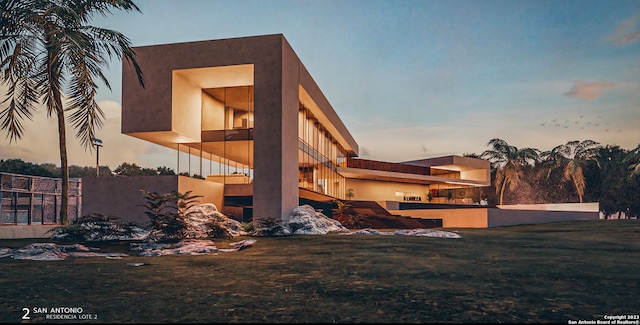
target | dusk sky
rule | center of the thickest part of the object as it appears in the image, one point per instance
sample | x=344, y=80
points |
x=409, y=79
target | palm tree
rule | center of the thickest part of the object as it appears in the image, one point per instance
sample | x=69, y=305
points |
x=49, y=52
x=573, y=156
x=633, y=158
x=509, y=162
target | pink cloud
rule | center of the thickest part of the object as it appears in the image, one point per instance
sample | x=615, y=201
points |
x=588, y=91
x=627, y=38
x=626, y=32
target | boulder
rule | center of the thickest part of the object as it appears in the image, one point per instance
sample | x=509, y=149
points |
x=304, y=220
x=199, y=215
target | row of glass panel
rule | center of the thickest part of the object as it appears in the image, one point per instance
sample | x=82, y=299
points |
x=319, y=154
x=232, y=108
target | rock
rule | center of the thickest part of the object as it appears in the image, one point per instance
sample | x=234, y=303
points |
x=186, y=246
x=199, y=215
x=366, y=231
x=305, y=220
x=55, y=252
x=189, y=247
x=239, y=245
x=5, y=252
x=407, y=232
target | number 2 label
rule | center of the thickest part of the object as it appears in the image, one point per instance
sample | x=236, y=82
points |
x=26, y=313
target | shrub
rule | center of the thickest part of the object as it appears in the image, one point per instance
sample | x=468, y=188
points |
x=248, y=226
x=95, y=227
x=345, y=214
x=268, y=227
x=217, y=229
x=356, y=221
x=167, y=213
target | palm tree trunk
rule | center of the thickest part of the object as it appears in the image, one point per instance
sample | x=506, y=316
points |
x=502, y=191
x=64, y=165
x=577, y=189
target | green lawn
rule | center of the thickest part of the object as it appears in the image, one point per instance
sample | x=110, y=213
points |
x=535, y=273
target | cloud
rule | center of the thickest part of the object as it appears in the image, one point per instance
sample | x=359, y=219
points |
x=627, y=32
x=588, y=91
x=628, y=38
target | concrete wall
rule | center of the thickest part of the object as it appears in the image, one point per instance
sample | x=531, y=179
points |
x=31, y=231
x=187, y=107
x=121, y=196
x=584, y=207
x=503, y=217
x=494, y=217
x=211, y=192
x=451, y=218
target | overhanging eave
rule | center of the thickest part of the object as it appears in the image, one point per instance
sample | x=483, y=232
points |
x=377, y=175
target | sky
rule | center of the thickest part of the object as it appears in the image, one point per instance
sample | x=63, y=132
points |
x=409, y=79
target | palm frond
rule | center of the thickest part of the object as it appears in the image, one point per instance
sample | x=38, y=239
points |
x=115, y=43
x=635, y=169
x=21, y=97
x=87, y=8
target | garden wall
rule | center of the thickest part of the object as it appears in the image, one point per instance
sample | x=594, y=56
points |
x=510, y=217
x=504, y=215
x=27, y=231
x=121, y=196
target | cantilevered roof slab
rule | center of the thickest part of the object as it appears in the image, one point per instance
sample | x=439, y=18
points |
x=469, y=168
x=378, y=175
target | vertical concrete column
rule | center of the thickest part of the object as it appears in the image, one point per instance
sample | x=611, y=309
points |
x=290, y=102
x=275, y=185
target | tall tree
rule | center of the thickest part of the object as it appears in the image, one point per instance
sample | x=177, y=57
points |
x=49, y=52
x=573, y=157
x=633, y=158
x=508, y=162
x=127, y=169
x=18, y=166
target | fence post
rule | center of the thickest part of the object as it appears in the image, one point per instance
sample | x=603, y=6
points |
x=31, y=194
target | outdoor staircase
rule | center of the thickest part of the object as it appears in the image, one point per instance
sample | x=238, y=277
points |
x=379, y=217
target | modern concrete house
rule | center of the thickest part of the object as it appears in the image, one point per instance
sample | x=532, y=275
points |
x=250, y=106
x=249, y=109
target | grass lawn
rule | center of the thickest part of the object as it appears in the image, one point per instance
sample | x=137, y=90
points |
x=535, y=273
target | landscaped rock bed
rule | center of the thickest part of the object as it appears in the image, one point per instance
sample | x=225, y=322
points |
x=407, y=232
x=304, y=220
x=53, y=252
x=57, y=252
x=188, y=247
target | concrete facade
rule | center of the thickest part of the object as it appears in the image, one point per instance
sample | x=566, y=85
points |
x=157, y=114
x=298, y=148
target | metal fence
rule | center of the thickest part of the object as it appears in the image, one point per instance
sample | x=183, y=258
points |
x=34, y=200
